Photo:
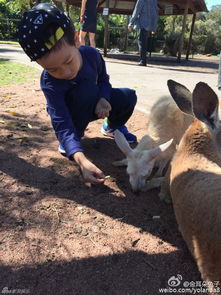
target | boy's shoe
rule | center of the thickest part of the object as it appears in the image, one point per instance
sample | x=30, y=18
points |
x=61, y=150
x=105, y=130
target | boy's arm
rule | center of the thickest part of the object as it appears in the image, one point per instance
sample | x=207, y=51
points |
x=103, y=78
x=103, y=106
x=66, y=134
x=83, y=5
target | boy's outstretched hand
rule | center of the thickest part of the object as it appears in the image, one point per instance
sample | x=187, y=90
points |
x=103, y=108
x=89, y=171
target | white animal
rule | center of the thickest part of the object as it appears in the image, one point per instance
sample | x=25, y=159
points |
x=139, y=164
x=166, y=122
x=195, y=181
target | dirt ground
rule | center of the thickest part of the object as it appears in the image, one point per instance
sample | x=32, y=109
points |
x=58, y=236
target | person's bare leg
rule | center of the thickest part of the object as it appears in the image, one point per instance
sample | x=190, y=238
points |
x=92, y=40
x=82, y=38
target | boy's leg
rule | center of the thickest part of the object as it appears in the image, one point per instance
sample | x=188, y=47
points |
x=123, y=101
x=81, y=101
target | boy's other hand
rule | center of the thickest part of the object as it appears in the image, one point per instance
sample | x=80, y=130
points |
x=103, y=108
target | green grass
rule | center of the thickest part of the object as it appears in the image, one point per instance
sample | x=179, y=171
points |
x=14, y=73
x=9, y=42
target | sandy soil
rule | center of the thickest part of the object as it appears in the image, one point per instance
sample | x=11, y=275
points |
x=58, y=236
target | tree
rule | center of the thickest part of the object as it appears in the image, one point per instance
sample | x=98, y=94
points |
x=207, y=33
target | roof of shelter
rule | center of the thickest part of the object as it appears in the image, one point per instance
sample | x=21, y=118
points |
x=168, y=7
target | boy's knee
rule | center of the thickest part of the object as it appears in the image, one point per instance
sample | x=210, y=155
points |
x=126, y=96
x=132, y=96
x=123, y=101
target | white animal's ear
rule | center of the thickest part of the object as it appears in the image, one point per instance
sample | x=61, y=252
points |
x=205, y=105
x=165, y=145
x=181, y=95
x=155, y=152
x=122, y=143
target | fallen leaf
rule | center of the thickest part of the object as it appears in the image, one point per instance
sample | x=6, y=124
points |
x=13, y=113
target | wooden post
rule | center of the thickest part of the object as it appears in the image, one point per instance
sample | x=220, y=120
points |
x=183, y=31
x=126, y=34
x=106, y=28
x=191, y=36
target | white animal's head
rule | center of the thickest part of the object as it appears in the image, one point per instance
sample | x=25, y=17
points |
x=139, y=163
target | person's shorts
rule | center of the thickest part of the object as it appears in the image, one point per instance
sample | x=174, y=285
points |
x=89, y=25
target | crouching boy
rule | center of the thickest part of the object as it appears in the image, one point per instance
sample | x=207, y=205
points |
x=75, y=84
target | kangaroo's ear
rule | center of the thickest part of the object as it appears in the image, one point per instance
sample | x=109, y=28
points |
x=181, y=95
x=205, y=105
x=122, y=143
x=155, y=152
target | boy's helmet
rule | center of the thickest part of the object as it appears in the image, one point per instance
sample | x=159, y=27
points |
x=34, y=36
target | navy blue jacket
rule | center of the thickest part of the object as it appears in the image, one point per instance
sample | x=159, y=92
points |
x=93, y=69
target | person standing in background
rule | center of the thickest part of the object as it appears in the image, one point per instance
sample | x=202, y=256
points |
x=88, y=19
x=144, y=18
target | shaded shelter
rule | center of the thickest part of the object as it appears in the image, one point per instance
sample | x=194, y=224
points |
x=166, y=8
